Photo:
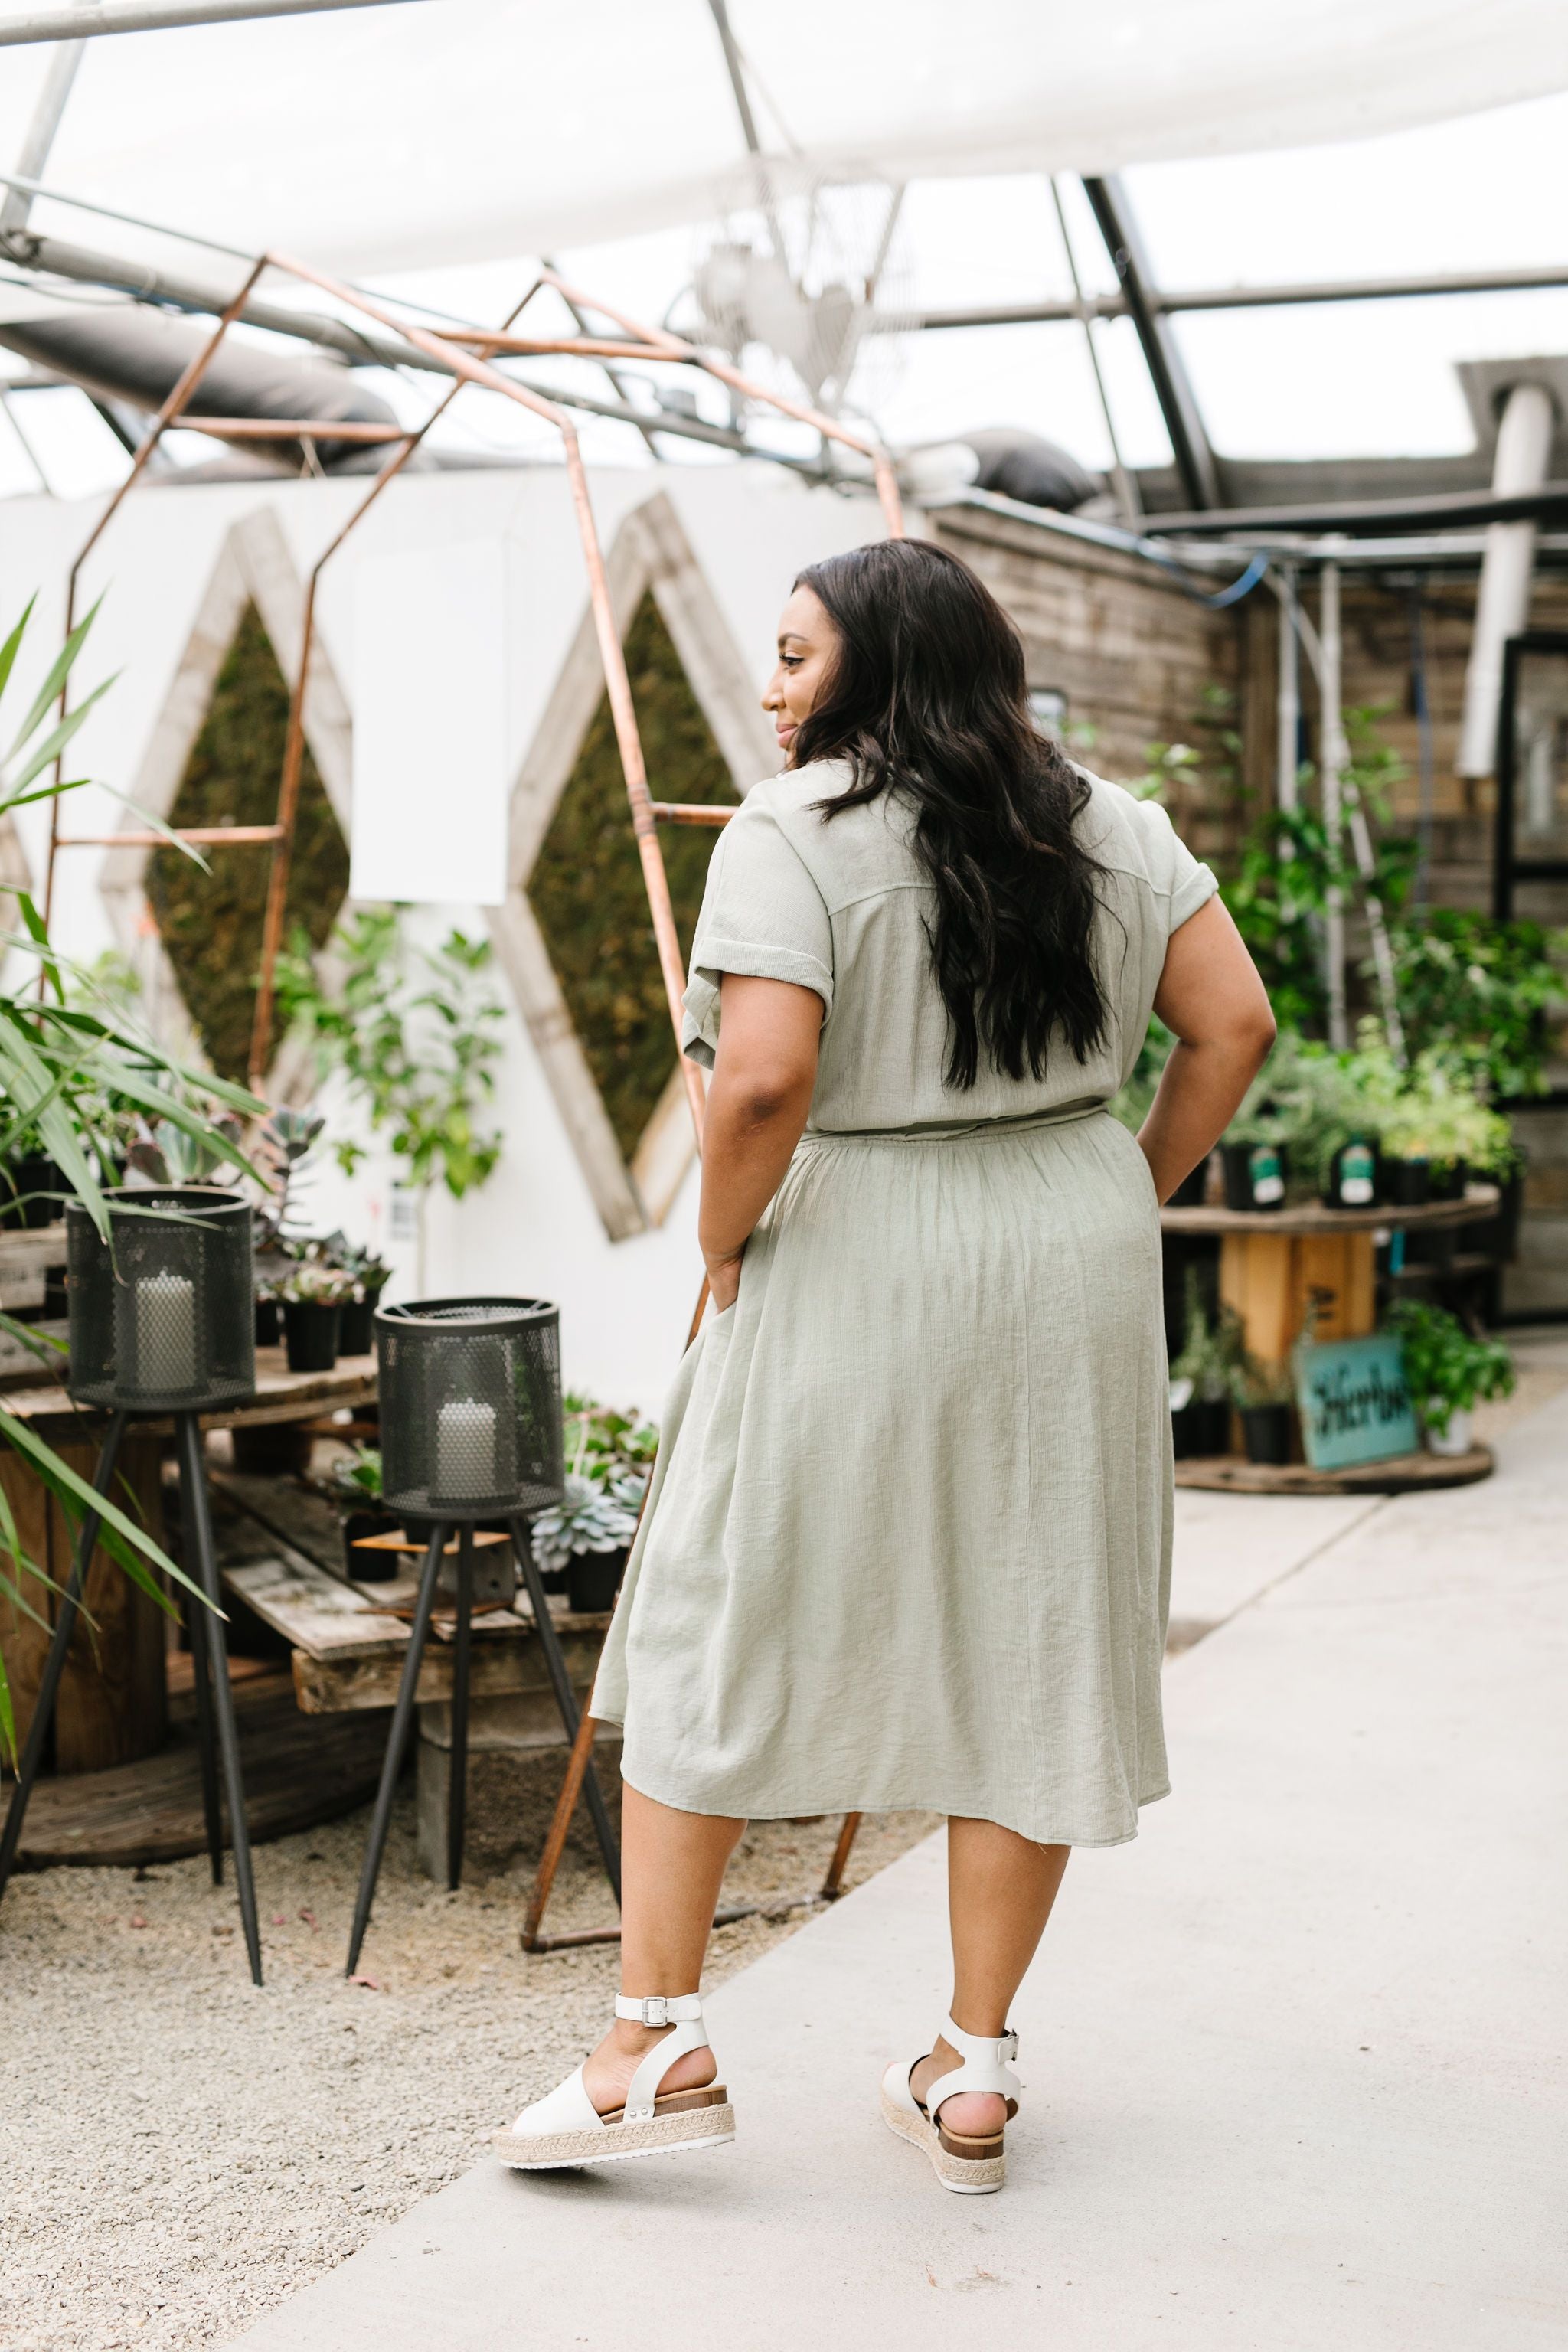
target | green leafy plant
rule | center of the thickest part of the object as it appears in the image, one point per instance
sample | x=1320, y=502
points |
x=1212, y=1352
x=1481, y=992
x=72, y=1067
x=1254, y=1383
x=1449, y=1369
x=358, y=1475
x=1438, y=1116
x=609, y=1458
x=311, y=1284
x=416, y=1034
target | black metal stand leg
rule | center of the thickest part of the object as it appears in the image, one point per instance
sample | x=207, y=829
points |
x=55, y=1665
x=198, y=1522
x=397, y=1742
x=457, y=1758
x=207, y=1745
x=566, y=1701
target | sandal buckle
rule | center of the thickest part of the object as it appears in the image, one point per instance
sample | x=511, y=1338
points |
x=1009, y=2047
x=655, y=2010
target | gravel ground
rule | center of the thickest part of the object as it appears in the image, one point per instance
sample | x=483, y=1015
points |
x=182, y=2151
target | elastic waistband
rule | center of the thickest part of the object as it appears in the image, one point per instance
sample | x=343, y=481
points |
x=980, y=1130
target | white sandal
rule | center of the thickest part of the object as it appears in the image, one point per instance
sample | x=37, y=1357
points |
x=969, y=2167
x=566, y=2128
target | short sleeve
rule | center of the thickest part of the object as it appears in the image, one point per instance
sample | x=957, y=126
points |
x=1179, y=880
x=762, y=916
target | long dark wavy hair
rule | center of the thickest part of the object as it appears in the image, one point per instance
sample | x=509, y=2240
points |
x=927, y=698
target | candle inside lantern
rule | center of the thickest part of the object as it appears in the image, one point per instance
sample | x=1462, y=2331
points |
x=465, y=1450
x=165, y=1351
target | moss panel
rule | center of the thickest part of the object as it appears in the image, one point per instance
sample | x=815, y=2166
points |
x=211, y=923
x=586, y=888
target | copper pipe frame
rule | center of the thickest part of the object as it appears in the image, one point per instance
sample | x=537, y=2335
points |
x=651, y=344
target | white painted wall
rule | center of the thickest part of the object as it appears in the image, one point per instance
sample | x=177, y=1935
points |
x=533, y=1229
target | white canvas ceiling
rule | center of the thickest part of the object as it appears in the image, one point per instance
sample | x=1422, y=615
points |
x=458, y=129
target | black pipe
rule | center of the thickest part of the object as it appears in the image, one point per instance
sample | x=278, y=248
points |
x=1370, y=518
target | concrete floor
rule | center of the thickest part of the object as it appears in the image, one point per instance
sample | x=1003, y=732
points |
x=1294, y=2058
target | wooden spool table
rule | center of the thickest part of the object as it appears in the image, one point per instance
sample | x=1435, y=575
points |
x=1275, y=1265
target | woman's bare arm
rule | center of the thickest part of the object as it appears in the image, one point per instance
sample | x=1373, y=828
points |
x=1210, y=995
x=763, y=1073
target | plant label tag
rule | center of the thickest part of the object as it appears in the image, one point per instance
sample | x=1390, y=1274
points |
x=1266, y=1179
x=1357, y=1172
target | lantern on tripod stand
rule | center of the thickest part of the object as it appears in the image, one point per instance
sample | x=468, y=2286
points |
x=162, y=1321
x=470, y=1394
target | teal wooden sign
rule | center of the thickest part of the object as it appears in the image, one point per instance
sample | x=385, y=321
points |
x=1355, y=1402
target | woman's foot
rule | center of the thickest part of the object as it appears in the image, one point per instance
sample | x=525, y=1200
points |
x=608, y=2072
x=972, y=2114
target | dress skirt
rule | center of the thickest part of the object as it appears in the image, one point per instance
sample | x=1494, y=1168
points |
x=909, y=1540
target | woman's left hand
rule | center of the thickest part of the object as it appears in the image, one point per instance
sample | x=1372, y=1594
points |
x=724, y=1281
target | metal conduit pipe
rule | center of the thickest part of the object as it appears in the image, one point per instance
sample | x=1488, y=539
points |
x=1502, y=601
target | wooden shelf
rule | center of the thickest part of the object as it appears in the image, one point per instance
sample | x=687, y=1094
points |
x=1233, y=1474
x=1312, y=1217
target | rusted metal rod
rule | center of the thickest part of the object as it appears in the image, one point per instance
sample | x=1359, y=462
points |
x=198, y=836
x=691, y=812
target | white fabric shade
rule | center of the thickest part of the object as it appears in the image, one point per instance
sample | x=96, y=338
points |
x=462, y=130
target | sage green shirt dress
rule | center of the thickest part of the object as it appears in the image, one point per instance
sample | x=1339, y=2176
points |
x=909, y=1538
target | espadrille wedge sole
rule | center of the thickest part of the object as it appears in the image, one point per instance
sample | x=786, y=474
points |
x=686, y=2119
x=969, y=2167
x=567, y=2130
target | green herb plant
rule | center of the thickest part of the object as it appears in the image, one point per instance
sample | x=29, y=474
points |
x=1447, y=1369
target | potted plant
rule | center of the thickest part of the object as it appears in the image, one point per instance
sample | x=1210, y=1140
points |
x=311, y=1297
x=1449, y=1370
x=1265, y=1396
x=586, y=1539
x=368, y=1276
x=357, y=1479
x=1203, y=1377
x=1441, y=1119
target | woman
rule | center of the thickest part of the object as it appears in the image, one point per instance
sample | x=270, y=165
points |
x=909, y=1538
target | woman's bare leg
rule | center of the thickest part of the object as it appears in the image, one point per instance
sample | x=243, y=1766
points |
x=672, y=1866
x=1000, y=1890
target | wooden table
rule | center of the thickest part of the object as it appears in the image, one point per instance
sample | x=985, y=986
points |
x=113, y=1705
x=348, y=1652
x=1276, y=1263
x=1278, y=1267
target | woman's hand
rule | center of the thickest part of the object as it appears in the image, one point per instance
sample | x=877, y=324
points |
x=724, y=1281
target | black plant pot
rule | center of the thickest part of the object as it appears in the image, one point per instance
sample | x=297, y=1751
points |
x=272, y=1450
x=357, y=1336
x=1254, y=1175
x=1266, y=1428
x=310, y=1334
x=593, y=1579
x=1200, y=1428
x=371, y=1567
x=269, y=1330
x=37, y=1175
x=1434, y=1246
x=1408, y=1183
x=1449, y=1182
x=1356, y=1175
x=1189, y=1193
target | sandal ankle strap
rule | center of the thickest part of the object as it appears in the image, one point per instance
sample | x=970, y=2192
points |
x=655, y=2010
x=986, y=2067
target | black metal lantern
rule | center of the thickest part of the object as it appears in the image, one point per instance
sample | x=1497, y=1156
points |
x=469, y=1391
x=471, y=1407
x=163, y=1313
x=162, y=1321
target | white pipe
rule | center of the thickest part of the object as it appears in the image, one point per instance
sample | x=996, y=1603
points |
x=1288, y=707
x=1503, y=602
x=1332, y=762
x=151, y=16
x=40, y=138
